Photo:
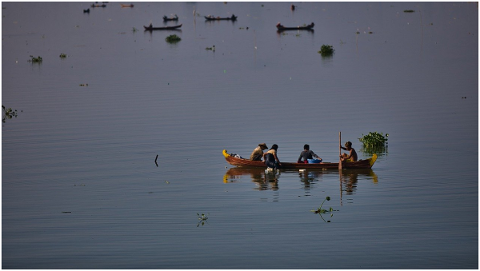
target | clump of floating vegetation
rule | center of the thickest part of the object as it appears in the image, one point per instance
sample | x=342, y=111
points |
x=374, y=142
x=326, y=50
x=134, y=29
x=210, y=48
x=173, y=38
x=8, y=113
x=202, y=219
x=35, y=59
x=62, y=55
x=409, y=11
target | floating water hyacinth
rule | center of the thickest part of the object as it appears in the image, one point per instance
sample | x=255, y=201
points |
x=173, y=39
x=326, y=50
x=374, y=142
x=35, y=59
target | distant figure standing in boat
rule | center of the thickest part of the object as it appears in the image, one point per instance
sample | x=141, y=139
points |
x=352, y=155
x=257, y=153
x=307, y=154
x=271, y=158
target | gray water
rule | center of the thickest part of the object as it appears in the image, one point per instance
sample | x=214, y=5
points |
x=80, y=187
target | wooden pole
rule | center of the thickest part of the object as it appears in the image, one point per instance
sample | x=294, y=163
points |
x=340, y=150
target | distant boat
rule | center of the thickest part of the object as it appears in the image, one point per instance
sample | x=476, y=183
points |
x=86, y=10
x=150, y=27
x=213, y=18
x=173, y=18
x=98, y=6
x=305, y=27
x=127, y=6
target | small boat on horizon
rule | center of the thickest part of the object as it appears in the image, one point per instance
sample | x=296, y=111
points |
x=280, y=27
x=213, y=18
x=150, y=27
x=173, y=18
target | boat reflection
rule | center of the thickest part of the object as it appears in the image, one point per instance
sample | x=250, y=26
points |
x=265, y=180
x=349, y=180
x=268, y=180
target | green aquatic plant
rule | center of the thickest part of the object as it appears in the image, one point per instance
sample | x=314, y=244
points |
x=62, y=55
x=374, y=142
x=35, y=59
x=202, y=219
x=173, y=39
x=321, y=211
x=8, y=113
x=326, y=50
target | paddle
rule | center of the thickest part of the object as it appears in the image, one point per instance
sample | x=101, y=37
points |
x=340, y=149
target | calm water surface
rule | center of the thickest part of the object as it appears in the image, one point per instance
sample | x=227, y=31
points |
x=80, y=188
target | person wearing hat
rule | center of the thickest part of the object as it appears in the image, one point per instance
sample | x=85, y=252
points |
x=257, y=153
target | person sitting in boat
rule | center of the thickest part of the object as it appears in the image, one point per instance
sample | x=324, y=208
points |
x=351, y=156
x=271, y=158
x=307, y=154
x=279, y=25
x=257, y=153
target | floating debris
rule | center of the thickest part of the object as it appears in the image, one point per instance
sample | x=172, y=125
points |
x=62, y=55
x=83, y=85
x=211, y=48
x=326, y=50
x=203, y=218
x=38, y=59
x=409, y=11
x=8, y=113
x=173, y=39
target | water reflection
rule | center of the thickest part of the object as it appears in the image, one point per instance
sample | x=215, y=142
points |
x=268, y=180
x=349, y=179
x=281, y=32
x=308, y=177
x=265, y=180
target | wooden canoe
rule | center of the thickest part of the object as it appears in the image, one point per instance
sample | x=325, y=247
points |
x=150, y=27
x=165, y=18
x=126, y=6
x=242, y=162
x=213, y=18
x=306, y=27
